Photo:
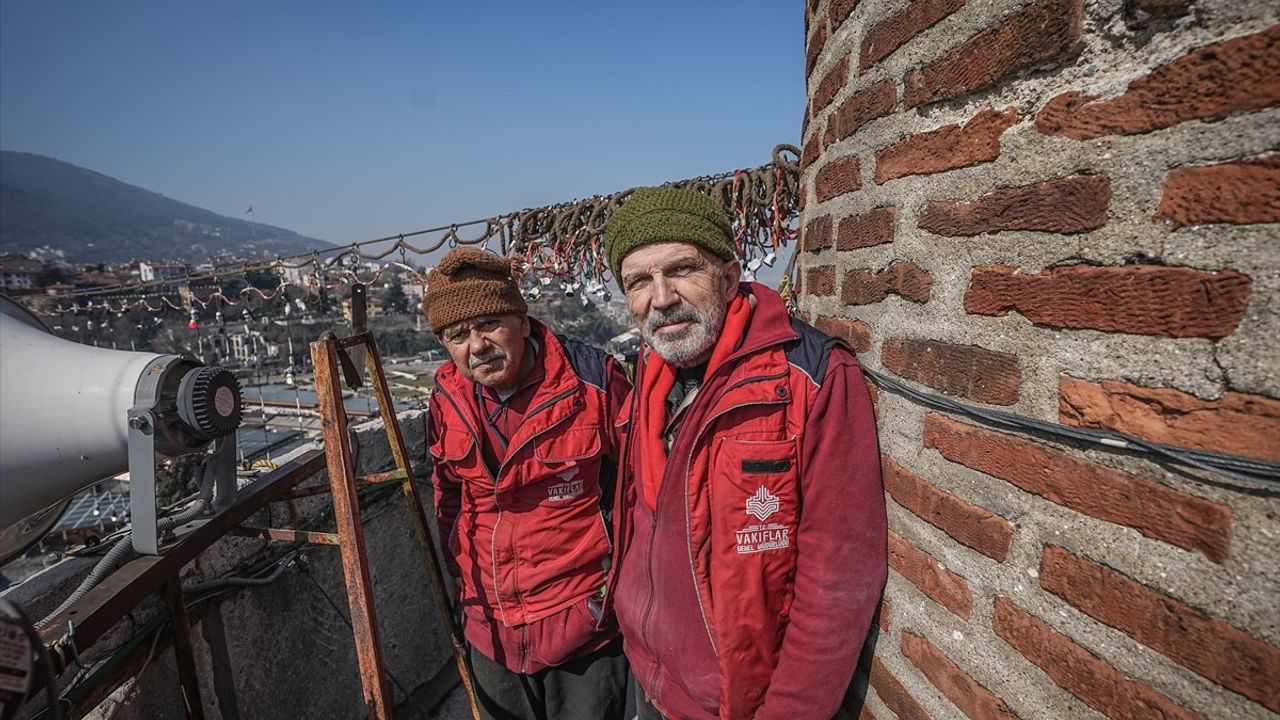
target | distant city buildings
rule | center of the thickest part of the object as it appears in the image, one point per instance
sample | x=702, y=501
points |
x=19, y=273
x=373, y=308
x=250, y=347
x=161, y=270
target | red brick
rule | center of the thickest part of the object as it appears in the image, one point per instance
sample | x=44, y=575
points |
x=947, y=148
x=838, y=11
x=963, y=691
x=963, y=370
x=974, y=526
x=1155, y=510
x=1223, y=653
x=893, y=695
x=1139, y=299
x=1079, y=671
x=866, y=230
x=886, y=612
x=1244, y=192
x=817, y=234
x=838, y=177
x=817, y=39
x=1067, y=205
x=890, y=34
x=905, y=279
x=1235, y=76
x=1238, y=423
x=1042, y=34
x=811, y=149
x=821, y=281
x=920, y=569
x=854, y=332
x=861, y=108
x=831, y=83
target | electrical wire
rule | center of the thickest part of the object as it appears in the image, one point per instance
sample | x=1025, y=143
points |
x=88, y=678
x=1254, y=473
x=370, y=497
x=123, y=548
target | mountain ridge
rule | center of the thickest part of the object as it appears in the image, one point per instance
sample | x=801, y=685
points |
x=55, y=209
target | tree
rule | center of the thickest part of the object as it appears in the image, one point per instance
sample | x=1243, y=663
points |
x=394, y=300
x=53, y=275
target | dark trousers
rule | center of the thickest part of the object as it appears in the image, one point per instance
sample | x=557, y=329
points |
x=592, y=687
x=645, y=709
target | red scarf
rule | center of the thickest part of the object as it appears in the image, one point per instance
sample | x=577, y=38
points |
x=659, y=378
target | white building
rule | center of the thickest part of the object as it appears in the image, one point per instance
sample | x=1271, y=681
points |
x=150, y=271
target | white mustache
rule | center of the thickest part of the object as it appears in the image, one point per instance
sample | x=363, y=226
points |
x=673, y=314
x=476, y=361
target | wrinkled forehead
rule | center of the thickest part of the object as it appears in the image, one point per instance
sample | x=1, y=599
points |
x=660, y=256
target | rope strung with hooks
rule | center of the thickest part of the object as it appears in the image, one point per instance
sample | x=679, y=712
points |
x=557, y=242
x=563, y=241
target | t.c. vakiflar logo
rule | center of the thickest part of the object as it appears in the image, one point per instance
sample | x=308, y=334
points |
x=762, y=504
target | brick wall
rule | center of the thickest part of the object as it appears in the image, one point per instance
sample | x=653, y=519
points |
x=1068, y=210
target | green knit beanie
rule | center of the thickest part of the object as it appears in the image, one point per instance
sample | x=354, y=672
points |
x=666, y=214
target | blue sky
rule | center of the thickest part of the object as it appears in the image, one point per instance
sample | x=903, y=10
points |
x=348, y=121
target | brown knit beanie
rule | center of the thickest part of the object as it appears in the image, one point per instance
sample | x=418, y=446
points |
x=468, y=283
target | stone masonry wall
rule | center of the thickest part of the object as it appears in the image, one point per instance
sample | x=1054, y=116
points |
x=1067, y=210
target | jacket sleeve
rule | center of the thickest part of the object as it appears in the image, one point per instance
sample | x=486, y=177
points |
x=842, y=563
x=447, y=491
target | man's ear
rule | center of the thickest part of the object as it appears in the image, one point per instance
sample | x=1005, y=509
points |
x=525, y=328
x=732, y=274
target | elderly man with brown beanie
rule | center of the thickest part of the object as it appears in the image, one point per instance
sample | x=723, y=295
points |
x=525, y=461
x=752, y=553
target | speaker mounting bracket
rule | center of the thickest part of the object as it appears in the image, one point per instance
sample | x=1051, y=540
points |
x=142, y=480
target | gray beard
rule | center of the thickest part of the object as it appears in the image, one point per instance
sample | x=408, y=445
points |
x=691, y=345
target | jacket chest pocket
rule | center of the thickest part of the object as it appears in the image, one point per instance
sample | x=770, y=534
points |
x=564, y=465
x=755, y=497
x=455, y=452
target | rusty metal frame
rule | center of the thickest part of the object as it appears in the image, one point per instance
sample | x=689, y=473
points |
x=184, y=657
x=332, y=363
x=346, y=507
x=287, y=535
x=112, y=599
x=416, y=513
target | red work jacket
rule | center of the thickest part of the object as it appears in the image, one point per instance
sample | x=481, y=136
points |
x=530, y=544
x=747, y=592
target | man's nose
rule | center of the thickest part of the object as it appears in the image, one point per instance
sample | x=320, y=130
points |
x=663, y=294
x=477, y=343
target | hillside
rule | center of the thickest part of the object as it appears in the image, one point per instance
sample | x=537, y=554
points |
x=90, y=217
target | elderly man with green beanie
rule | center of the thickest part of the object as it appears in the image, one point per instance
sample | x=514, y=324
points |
x=525, y=457
x=751, y=549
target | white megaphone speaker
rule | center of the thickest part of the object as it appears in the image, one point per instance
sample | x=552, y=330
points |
x=72, y=415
